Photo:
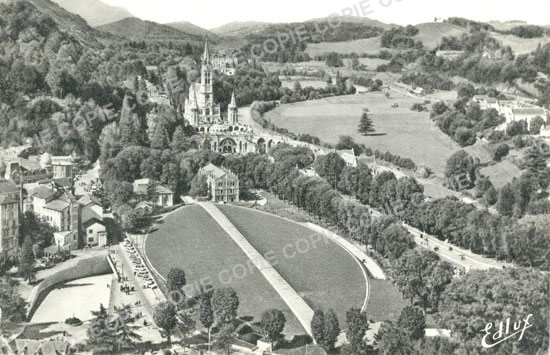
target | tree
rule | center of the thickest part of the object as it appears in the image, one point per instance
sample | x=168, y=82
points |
x=366, y=125
x=160, y=139
x=393, y=341
x=506, y=200
x=206, y=313
x=225, y=304
x=100, y=334
x=186, y=324
x=124, y=333
x=26, y=261
x=330, y=167
x=165, y=318
x=460, y=163
x=224, y=338
x=483, y=296
x=325, y=328
x=412, y=321
x=358, y=325
x=422, y=277
x=273, y=323
x=14, y=308
x=199, y=186
x=501, y=151
x=175, y=279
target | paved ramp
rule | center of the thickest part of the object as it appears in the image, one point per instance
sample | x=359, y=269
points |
x=297, y=305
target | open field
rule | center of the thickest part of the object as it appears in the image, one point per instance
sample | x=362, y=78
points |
x=368, y=46
x=323, y=273
x=398, y=130
x=521, y=45
x=317, y=84
x=431, y=33
x=386, y=302
x=189, y=238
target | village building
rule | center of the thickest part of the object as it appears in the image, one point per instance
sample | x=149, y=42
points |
x=9, y=215
x=93, y=228
x=63, y=167
x=223, y=185
x=349, y=156
x=162, y=195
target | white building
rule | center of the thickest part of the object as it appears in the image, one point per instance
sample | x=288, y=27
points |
x=163, y=196
x=94, y=229
x=222, y=183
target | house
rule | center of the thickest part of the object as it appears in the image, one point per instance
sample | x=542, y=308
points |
x=449, y=54
x=57, y=214
x=30, y=170
x=527, y=114
x=418, y=91
x=94, y=229
x=57, y=207
x=66, y=240
x=349, y=156
x=38, y=198
x=486, y=102
x=144, y=208
x=92, y=202
x=63, y=167
x=162, y=195
x=223, y=185
x=9, y=222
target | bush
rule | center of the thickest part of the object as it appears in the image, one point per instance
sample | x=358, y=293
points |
x=501, y=151
x=73, y=321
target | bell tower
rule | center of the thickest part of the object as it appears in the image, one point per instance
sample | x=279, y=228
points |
x=233, y=111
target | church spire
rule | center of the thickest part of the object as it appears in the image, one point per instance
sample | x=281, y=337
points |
x=206, y=54
x=233, y=101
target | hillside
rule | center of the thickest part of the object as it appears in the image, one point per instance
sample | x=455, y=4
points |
x=139, y=30
x=189, y=28
x=240, y=29
x=67, y=22
x=431, y=33
x=357, y=20
x=95, y=12
x=506, y=25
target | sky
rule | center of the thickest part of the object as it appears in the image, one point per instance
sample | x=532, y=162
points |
x=213, y=13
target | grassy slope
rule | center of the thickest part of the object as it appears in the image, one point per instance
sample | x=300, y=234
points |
x=431, y=33
x=190, y=239
x=402, y=131
x=326, y=276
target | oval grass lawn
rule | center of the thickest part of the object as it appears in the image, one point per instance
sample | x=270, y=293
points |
x=190, y=239
x=322, y=272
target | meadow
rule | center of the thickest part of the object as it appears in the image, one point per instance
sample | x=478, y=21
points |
x=399, y=130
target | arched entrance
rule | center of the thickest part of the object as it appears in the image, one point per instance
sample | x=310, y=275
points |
x=261, y=146
x=228, y=145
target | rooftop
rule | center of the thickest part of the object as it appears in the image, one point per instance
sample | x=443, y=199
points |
x=6, y=200
x=88, y=216
x=42, y=192
x=8, y=187
x=57, y=205
x=216, y=171
x=529, y=111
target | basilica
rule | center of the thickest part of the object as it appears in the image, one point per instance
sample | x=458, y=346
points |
x=224, y=133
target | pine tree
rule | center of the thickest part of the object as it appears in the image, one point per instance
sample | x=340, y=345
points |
x=160, y=139
x=124, y=333
x=366, y=126
x=26, y=260
x=100, y=334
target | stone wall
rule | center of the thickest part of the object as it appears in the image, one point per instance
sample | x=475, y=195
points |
x=92, y=266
